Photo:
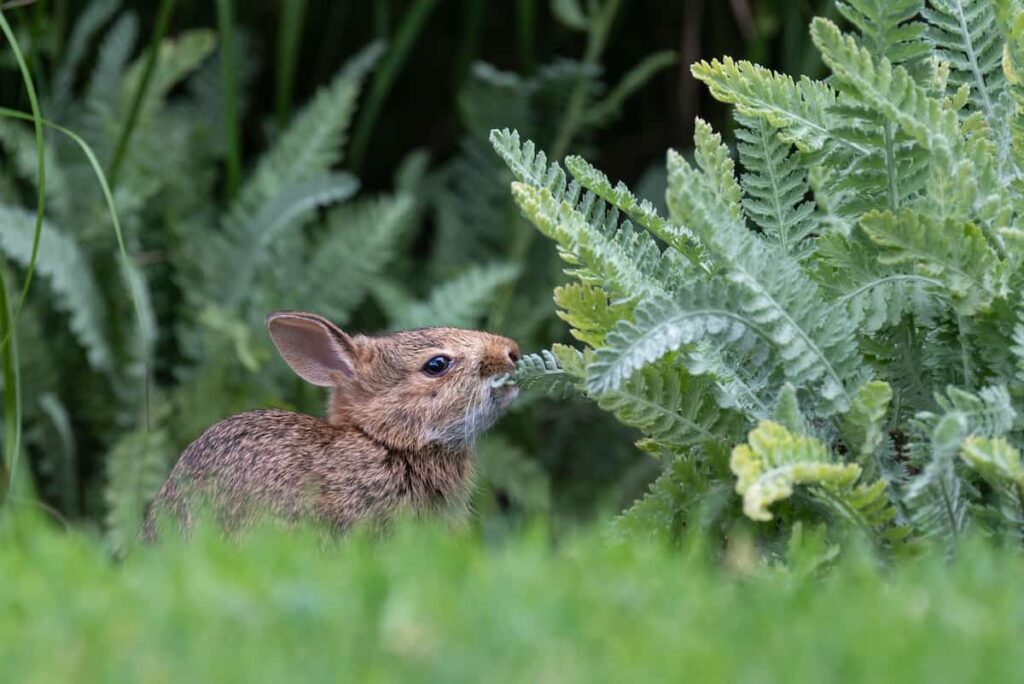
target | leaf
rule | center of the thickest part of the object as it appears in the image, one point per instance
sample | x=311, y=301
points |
x=774, y=460
x=136, y=467
x=64, y=265
x=544, y=372
x=672, y=407
x=954, y=253
x=314, y=140
x=570, y=14
x=460, y=302
x=863, y=423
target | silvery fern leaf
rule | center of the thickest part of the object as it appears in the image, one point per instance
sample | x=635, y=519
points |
x=672, y=407
x=966, y=35
x=816, y=344
x=642, y=212
x=136, y=467
x=954, y=253
x=626, y=261
x=774, y=186
x=888, y=28
x=543, y=371
x=890, y=90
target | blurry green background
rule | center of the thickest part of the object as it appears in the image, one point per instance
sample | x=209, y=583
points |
x=203, y=156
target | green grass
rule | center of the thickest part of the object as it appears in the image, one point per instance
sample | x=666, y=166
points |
x=425, y=605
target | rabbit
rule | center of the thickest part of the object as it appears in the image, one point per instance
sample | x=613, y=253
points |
x=403, y=413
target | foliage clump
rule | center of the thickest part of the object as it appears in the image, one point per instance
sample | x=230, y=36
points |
x=835, y=331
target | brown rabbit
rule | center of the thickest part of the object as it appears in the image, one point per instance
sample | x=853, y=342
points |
x=403, y=413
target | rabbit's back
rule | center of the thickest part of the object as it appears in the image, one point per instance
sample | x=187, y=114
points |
x=296, y=466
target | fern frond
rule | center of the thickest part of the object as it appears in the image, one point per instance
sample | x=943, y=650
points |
x=954, y=253
x=460, y=302
x=891, y=91
x=247, y=241
x=544, y=371
x=774, y=461
x=816, y=343
x=863, y=424
x=136, y=467
x=775, y=186
x=888, y=27
x=995, y=459
x=625, y=260
x=966, y=35
x=63, y=264
x=642, y=212
x=799, y=109
x=589, y=311
x=87, y=26
x=314, y=140
x=178, y=57
x=672, y=407
x=359, y=241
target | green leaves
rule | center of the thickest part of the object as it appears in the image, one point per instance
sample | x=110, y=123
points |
x=774, y=460
x=954, y=253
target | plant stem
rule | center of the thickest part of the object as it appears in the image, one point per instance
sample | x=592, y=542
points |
x=383, y=79
x=159, y=30
x=229, y=84
x=292, y=14
x=12, y=393
x=526, y=20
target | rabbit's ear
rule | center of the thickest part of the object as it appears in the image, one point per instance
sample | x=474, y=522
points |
x=316, y=349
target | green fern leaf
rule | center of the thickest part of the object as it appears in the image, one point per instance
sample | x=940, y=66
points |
x=314, y=140
x=953, y=253
x=589, y=312
x=246, y=242
x=360, y=240
x=63, y=264
x=863, y=424
x=460, y=302
x=136, y=467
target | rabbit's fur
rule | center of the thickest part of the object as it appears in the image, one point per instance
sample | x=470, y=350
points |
x=395, y=438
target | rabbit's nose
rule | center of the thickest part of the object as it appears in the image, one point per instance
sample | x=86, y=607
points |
x=513, y=353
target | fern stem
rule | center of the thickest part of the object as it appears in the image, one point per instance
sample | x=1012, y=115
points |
x=888, y=134
x=882, y=281
x=37, y=119
x=229, y=83
x=384, y=78
x=121, y=149
x=292, y=15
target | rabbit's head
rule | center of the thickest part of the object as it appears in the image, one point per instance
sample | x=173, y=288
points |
x=408, y=390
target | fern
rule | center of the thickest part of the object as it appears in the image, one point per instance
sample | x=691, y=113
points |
x=955, y=254
x=136, y=467
x=62, y=263
x=314, y=140
x=460, y=302
x=774, y=185
x=966, y=36
x=869, y=235
x=774, y=461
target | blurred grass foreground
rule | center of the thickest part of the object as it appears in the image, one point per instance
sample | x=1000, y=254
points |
x=429, y=606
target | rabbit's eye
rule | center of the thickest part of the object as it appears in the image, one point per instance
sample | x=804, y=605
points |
x=437, y=365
